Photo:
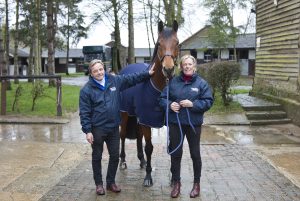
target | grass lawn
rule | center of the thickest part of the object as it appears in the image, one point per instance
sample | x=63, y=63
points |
x=45, y=105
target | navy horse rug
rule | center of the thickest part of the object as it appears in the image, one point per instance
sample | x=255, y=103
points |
x=142, y=100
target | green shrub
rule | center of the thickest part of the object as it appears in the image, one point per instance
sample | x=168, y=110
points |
x=221, y=76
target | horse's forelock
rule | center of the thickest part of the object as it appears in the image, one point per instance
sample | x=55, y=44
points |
x=167, y=32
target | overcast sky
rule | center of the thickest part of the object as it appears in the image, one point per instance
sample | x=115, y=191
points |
x=195, y=19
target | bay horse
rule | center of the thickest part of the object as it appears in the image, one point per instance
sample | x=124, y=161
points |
x=140, y=109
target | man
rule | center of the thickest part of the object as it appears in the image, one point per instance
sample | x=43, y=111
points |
x=99, y=104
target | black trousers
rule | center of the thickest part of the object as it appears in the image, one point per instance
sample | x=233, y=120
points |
x=112, y=140
x=194, y=146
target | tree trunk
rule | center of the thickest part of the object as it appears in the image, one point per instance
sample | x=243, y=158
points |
x=148, y=36
x=68, y=40
x=30, y=68
x=116, y=49
x=16, y=62
x=37, y=45
x=31, y=60
x=50, y=36
x=2, y=60
x=130, y=33
x=6, y=69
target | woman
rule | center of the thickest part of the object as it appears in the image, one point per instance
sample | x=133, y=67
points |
x=189, y=97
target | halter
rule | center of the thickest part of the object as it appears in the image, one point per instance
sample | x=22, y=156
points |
x=161, y=59
x=168, y=54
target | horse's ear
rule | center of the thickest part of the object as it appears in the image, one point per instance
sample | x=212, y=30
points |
x=175, y=25
x=160, y=26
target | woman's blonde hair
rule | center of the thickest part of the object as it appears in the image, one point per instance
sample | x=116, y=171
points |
x=188, y=56
x=93, y=62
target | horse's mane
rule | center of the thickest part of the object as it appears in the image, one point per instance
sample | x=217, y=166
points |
x=154, y=52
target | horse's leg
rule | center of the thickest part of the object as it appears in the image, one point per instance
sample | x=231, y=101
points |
x=124, y=117
x=139, y=146
x=148, y=150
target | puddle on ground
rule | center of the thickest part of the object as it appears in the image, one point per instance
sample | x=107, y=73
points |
x=258, y=135
x=209, y=136
x=71, y=132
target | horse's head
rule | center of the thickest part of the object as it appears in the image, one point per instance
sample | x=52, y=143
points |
x=168, y=48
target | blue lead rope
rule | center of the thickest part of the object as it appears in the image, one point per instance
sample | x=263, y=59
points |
x=179, y=125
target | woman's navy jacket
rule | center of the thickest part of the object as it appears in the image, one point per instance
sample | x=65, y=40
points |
x=196, y=90
x=100, y=107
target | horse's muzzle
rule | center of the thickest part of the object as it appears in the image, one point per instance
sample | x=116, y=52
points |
x=168, y=72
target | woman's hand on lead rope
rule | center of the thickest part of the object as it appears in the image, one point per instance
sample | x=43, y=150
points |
x=175, y=107
x=186, y=103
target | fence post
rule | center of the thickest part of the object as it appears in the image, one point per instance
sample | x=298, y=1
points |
x=3, y=96
x=58, y=96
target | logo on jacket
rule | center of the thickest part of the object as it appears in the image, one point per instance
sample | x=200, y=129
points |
x=194, y=89
x=112, y=88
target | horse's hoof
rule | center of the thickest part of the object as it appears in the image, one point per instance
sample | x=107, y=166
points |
x=123, y=165
x=143, y=164
x=148, y=182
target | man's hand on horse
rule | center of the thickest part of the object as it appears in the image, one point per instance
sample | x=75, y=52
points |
x=186, y=103
x=90, y=138
x=151, y=71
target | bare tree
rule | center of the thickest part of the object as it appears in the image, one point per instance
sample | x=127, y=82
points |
x=16, y=62
x=130, y=33
x=6, y=69
x=2, y=60
x=37, y=43
x=50, y=39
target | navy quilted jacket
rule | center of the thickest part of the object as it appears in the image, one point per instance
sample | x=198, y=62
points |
x=100, y=107
x=196, y=90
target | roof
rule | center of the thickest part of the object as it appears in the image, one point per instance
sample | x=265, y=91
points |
x=143, y=52
x=73, y=53
x=21, y=52
x=200, y=40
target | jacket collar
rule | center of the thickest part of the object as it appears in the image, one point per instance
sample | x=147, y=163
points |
x=93, y=83
x=182, y=75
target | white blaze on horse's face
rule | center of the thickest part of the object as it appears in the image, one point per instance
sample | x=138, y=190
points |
x=168, y=48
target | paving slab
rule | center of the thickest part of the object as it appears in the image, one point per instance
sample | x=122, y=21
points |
x=230, y=172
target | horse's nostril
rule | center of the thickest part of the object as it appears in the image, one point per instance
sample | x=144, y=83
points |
x=168, y=72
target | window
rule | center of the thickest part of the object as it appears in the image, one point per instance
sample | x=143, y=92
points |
x=231, y=55
x=207, y=58
x=147, y=60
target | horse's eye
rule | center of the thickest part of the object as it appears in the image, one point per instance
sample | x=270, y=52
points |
x=158, y=44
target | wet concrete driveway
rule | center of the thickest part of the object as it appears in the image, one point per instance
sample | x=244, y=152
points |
x=53, y=162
